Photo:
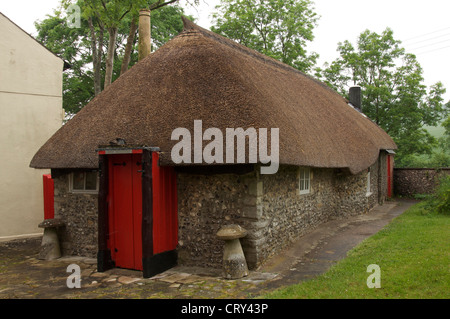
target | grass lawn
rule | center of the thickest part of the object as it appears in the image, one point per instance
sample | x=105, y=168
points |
x=413, y=253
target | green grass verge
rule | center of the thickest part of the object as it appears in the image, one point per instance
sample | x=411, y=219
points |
x=413, y=253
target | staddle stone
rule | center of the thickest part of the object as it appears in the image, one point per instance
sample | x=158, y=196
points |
x=231, y=232
x=234, y=263
x=50, y=248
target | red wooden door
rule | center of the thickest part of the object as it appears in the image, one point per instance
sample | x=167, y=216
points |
x=125, y=210
x=165, y=209
x=390, y=170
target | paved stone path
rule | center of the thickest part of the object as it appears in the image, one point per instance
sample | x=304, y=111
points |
x=23, y=275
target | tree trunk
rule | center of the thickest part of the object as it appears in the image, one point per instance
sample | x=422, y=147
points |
x=129, y=47
x=96, y=46
x=110, y=55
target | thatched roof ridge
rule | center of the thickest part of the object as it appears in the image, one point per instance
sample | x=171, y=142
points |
x=199, y=75
x=189, y=25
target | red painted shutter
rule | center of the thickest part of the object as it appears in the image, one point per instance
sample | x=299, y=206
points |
x=49, y=209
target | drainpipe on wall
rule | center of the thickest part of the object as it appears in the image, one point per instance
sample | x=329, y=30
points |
x=144, y=34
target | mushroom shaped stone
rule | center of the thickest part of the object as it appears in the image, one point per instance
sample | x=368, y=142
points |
x=50, y=248
x=234, y=263
x=229, y=232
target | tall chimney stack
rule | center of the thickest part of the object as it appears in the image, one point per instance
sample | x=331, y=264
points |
x=355, y=97
x=144, y=45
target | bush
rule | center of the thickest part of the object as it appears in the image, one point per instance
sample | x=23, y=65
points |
x=437, y=159
x=423, y=196
x=440, y=200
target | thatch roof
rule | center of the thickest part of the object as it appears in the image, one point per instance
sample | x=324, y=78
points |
x=199, y=75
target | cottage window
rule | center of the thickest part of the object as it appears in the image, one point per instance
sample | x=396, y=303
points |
x=304, y=180
x=368, y=189
x=84, y=182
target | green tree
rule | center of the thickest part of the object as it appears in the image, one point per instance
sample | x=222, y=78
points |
x=445, y=139
x=393, y=93
x=85, y=49
x=109, y=15
x=277, y=28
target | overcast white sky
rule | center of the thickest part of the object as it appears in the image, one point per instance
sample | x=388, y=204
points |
x=422, y=25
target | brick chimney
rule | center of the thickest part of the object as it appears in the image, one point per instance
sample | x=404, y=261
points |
x=355, y=97
x=144, y=46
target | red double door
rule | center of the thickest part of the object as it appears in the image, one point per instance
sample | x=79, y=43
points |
x=125, y=209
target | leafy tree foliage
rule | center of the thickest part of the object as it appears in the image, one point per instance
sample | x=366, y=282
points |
x=393, y=93
x=445, y=140
x=85, y=48
x=277, y=28
x=439, y=201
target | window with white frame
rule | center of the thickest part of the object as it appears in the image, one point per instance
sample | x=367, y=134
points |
x=304, y=180
x=83, y=182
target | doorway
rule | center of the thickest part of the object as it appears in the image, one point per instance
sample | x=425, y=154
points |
x=137, y=211
x=125, y=210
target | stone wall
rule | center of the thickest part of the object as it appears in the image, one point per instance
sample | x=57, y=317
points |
x=411, y=181
x=205, y=204
x=268, y=206
x=79, y=212
x=289, y=215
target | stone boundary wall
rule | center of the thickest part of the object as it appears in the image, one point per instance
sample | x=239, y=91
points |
x=411, y=181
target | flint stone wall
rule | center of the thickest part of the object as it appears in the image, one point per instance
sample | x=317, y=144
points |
x=205, y=204
x=412, y=181
x=80, y=213
x=268, y=206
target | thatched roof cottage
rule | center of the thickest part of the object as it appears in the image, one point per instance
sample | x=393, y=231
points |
x=112, y=162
